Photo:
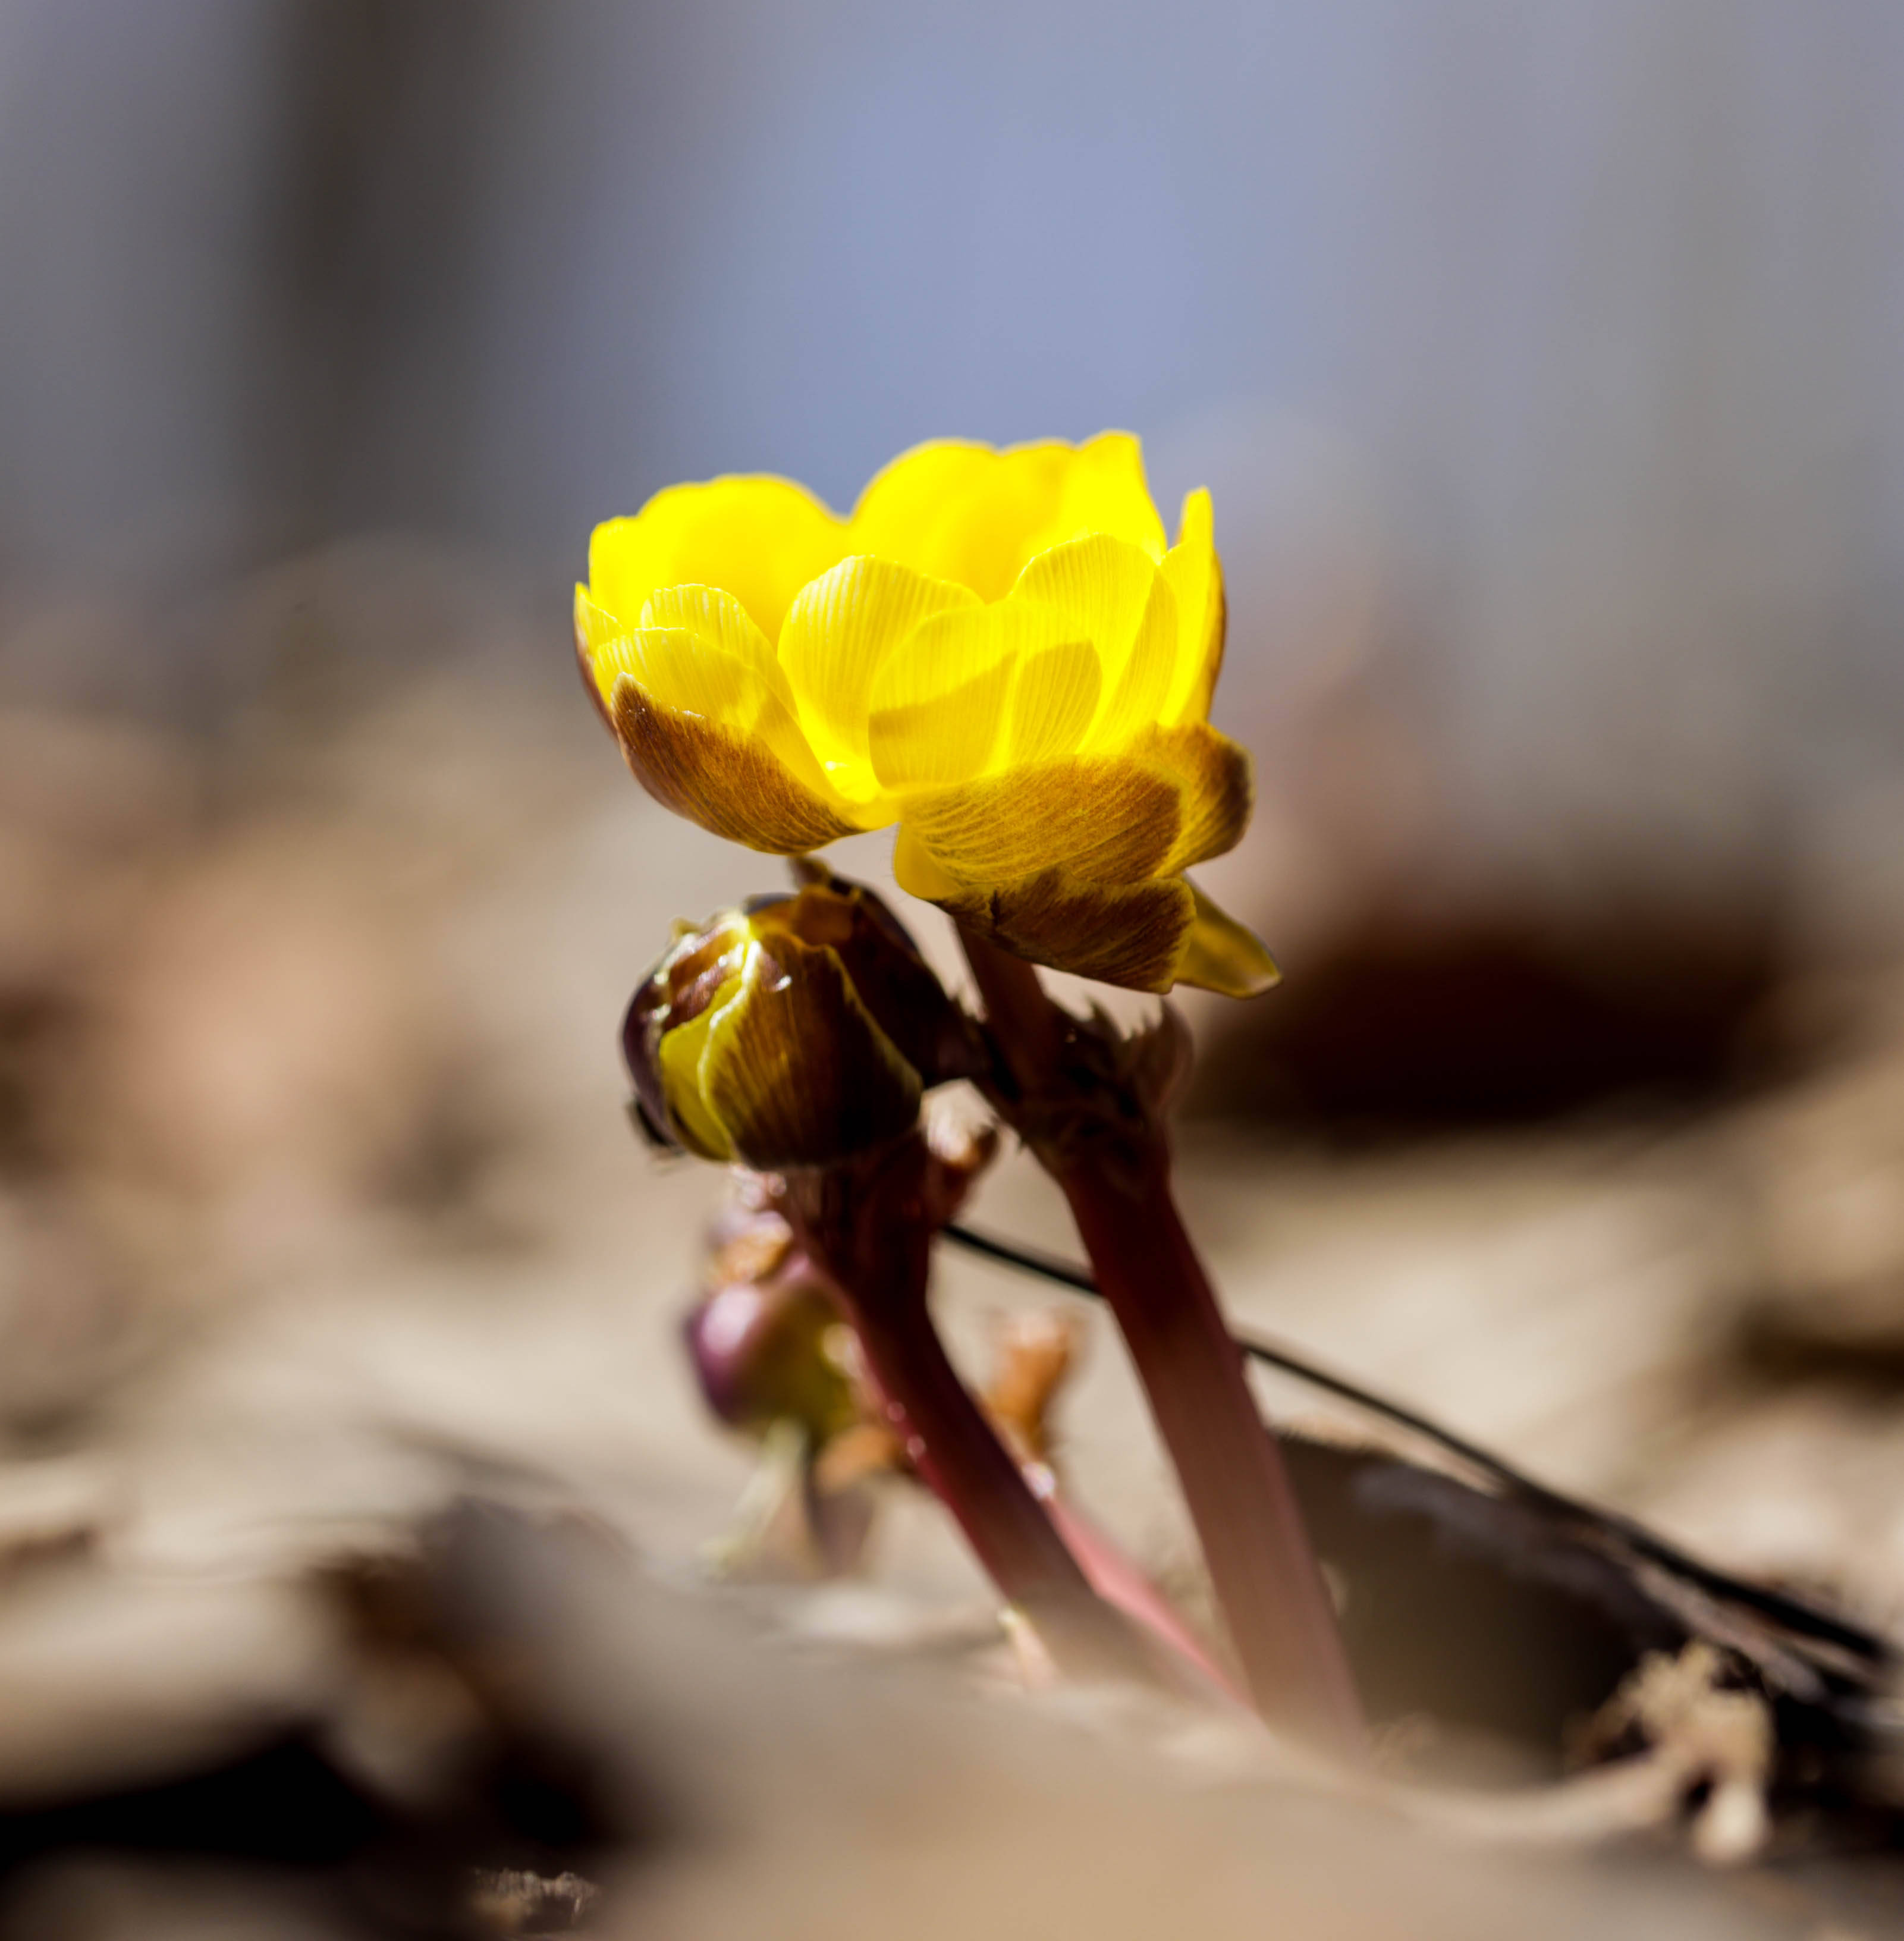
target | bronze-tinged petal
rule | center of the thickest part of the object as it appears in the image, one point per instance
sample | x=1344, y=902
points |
x=679, y=986
x=796, y=1070
x=895, y=984
x=1220, y=955
x=1218, y=785
x=730, y=783
x=1098, y=818
x=1128, y=933
x=642, y=1024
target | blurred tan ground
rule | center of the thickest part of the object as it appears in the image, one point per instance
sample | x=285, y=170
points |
x=318, y=1200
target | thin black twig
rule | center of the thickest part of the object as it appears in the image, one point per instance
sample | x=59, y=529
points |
x=1795, y=1614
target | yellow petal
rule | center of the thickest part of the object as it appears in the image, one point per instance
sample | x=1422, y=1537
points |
x=840, y=630
x=681, y=671
x=968, y=513
x=1102, y=819
x=1052, y=681
x=938, y=701
x=917, y=872
x=597, y=633
x=795, y=1071
x=1054, y=695
x=1105, y=491
x=738, y=664
x=961, y=511
x=1078, y=654
x=761, y=539
x=682, y=1049
x=707, y=732
x=756, y=783
x=1108, y=591
x=1220, y=955
x=1196, y=577
x=717, y=620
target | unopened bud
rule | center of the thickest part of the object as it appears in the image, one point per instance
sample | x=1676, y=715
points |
x=796, y=1031
x=766, y=1339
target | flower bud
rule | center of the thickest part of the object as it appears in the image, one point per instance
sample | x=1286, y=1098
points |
x=765, y=1336
x=796, y=1031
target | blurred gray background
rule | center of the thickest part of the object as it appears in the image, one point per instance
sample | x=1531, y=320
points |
x=1542, y=357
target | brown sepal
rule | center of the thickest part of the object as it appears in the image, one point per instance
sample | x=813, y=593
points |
x=727, y=782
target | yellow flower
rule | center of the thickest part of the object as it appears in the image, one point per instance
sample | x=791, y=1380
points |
x=996, y=651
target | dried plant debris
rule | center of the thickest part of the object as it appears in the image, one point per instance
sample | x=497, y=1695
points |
x=1495, y=1642
x=351, y=1731
x=1484, y=1601
x=1711, y=1731
x=519, y=1733
x=513, y=1902
x=201, y=1310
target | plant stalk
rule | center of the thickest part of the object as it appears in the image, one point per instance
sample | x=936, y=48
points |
x=1113, y=1167
x=866, y=1228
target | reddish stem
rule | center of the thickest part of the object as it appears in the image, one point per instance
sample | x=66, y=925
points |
x=1260, y=1561
x=960, y=1468
x=868, y=1233
x=949, y=1441
x=1234, y=1480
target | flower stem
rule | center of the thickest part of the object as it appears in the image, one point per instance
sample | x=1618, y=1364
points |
x=1113, y=1168
x=866, y=1227
x=1240, y=1497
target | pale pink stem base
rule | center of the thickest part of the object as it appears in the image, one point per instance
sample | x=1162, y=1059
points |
x=1119, y=1582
